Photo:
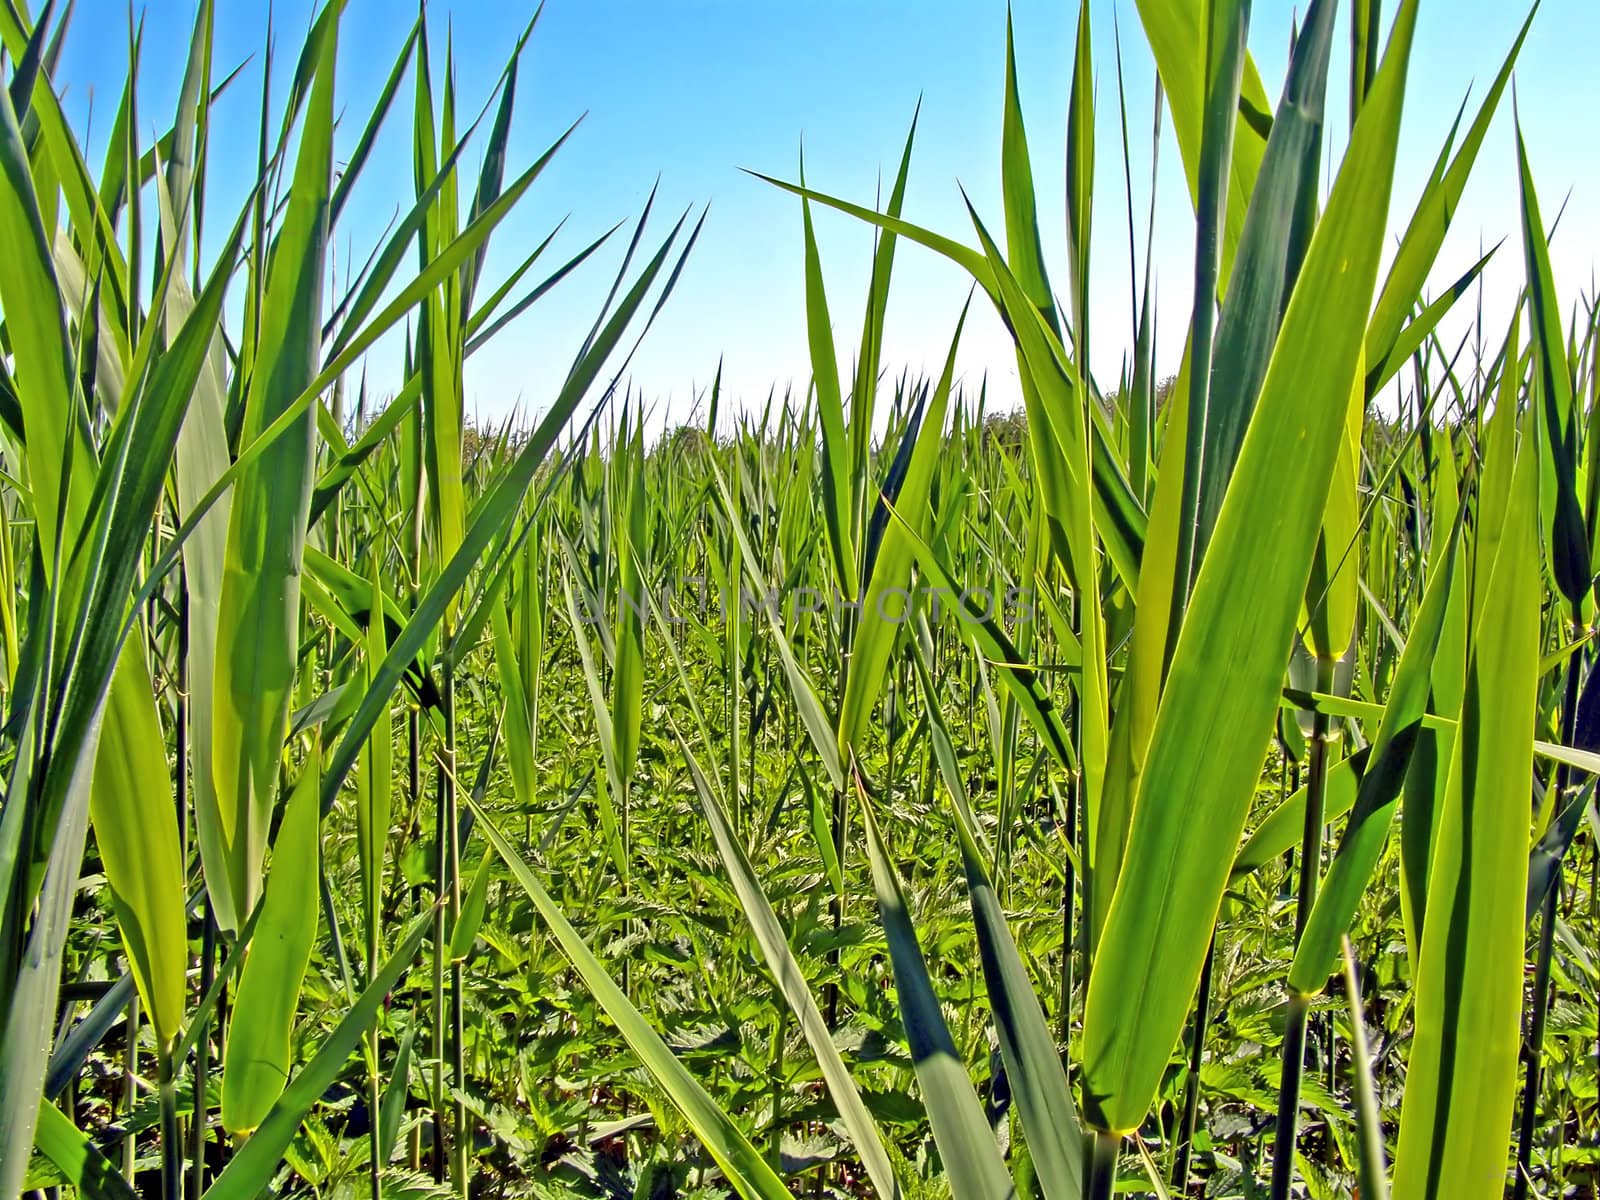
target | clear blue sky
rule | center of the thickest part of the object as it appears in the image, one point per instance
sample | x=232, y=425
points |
x=693, y=91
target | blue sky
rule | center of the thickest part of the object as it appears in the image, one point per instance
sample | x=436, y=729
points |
x=691, y=92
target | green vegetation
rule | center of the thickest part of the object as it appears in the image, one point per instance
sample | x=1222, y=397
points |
x=1179, y=788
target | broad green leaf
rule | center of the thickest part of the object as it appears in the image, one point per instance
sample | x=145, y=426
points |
x=836, y=458
x=1425, y=232
x=473, y=904
x=251, y=1169
x=1390, y=756
x=1023, y=249
x=1033, y=1065
x=1280, y=830
x=1271, y=249
x=261, y=1023
x=1469, y=983
x=1430, y=760
x=1561, y=518
x=1226, y=27
x=972, y=1161
x=517, y=717
x=131, y=800
x=1176, y=30
x=1118, y=514
x=258, y=619
x=791, y=981
x=1231, y=651
x=630, y=544
x=30, y=1004
x=70, y=1149
x=374, y=782
x=494, y=513
x=863, y=394
x=1333, y=590
x=883, y=615
x=812, y=714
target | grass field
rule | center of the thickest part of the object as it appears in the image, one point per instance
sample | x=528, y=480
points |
x=1177, y=787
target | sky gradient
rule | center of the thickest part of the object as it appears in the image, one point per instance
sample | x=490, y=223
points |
x=690, y=93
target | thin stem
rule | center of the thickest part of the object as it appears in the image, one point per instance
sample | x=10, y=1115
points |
x=1103, y=1151
x=847, y=636
x=836, y=912
x=1374, y=1172
x=414, y=781
x=458, y=1075
x=1068, y=883
x=1316, y=804
x=1191, y=1087
x=202, y=1060
x=1292, y=1069
x=374, y=1104
x=1068, y=889
x=374, y=1081
x=129, y=1091
x=180, y=728
x=775, y=1118
x=440, y=948
x=171, y=1136
x=1294, y=1052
